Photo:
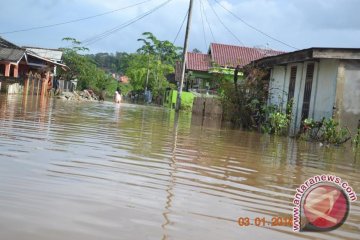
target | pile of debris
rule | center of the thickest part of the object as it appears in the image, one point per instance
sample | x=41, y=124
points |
x=85, y=95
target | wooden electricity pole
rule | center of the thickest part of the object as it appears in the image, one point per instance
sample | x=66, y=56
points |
x=178, y=100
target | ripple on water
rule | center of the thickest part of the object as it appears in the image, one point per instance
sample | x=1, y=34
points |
x=102, y=171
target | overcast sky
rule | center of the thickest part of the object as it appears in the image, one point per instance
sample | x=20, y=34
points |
x=299, y=23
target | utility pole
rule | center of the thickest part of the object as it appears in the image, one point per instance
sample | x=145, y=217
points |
x=178, y=100
x=147, y=76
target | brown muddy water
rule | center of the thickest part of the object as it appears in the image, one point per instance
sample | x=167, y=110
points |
x=100, y=171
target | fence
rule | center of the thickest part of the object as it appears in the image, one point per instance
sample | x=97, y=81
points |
x=11, y=85
x=208, y=107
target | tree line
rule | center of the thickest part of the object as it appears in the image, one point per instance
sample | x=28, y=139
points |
x=149, y=67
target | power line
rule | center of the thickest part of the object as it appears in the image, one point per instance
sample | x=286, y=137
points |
x=206, y=19
x=203, y=25
x=75, y=20
x=182, y=24
x=107, y=33
x=222, y=23
x=256, y=29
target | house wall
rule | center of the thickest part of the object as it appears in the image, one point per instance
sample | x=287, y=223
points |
x=348, y=94
x=298, y=95
x=322, y=93
x=277, y=85
x=324, y=89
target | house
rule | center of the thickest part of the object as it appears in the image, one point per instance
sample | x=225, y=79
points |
x=10, y=56
x=54, y=55
x=124, y=79
x=221, y=58
x=19, y=65
x=323, y=82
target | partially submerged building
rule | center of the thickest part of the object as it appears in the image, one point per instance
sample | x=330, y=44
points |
x=20, y=65
x=201, y=68
x=322, y=82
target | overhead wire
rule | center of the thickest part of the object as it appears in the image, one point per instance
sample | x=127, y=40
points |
x=254, y=28
x=75, y=20
x=206, y=19
x=182, y=24
x=203, y=25
x=224, y=25
x=107, y=33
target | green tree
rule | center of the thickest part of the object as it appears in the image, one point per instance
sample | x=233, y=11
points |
x=158, y=57
x=84, y=69
x=137, y=71
x=195, y=50
x=167, y=52
x=113, y=63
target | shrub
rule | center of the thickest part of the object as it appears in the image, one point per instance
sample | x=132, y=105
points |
x=326, y=131
x=356, y=140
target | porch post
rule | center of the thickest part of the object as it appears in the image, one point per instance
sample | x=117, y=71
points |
x=44, y=80
x=7, y=69
x=16, y=71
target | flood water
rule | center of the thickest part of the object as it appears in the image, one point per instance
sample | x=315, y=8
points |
x=72, y=170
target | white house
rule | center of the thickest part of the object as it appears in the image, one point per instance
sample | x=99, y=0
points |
x=323, y=82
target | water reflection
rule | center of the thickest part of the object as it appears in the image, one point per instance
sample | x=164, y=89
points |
x=72, y=170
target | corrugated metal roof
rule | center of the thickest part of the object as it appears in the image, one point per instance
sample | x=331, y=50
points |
x=37, y=57
x=232, y=56
x=198, y=62
x=11, y=54
x=51, y=54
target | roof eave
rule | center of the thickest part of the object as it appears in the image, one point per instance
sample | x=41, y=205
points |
x=308, y=55
x=48, y=60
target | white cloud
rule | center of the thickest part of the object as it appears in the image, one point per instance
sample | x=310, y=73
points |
x=303, y=23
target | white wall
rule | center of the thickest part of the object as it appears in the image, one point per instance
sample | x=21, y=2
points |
x=276, y=87
x=298, y=95
x=324, y=91
x=350, y=104
x=322, y=94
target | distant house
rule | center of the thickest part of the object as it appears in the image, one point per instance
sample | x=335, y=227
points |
x=124, y=79
x=16, y=63
x=323, y=82
x=197, y=69
x=201, y=67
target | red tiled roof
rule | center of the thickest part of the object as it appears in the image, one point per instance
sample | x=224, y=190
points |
x=229, y=55
x=198, y=62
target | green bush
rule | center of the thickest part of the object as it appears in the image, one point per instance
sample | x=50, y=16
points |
x=356, y=140
x=279, y=122
x=326, y=131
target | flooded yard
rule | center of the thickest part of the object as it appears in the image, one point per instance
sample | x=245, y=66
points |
x=72, y=170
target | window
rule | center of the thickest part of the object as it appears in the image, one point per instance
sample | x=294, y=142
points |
x=292, y=83
x=307, y=91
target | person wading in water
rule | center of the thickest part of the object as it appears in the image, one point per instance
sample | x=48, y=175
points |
x=117, y=97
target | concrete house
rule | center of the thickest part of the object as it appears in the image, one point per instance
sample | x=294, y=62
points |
x=323, y=82
x=200, y=67
x=19, y=65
